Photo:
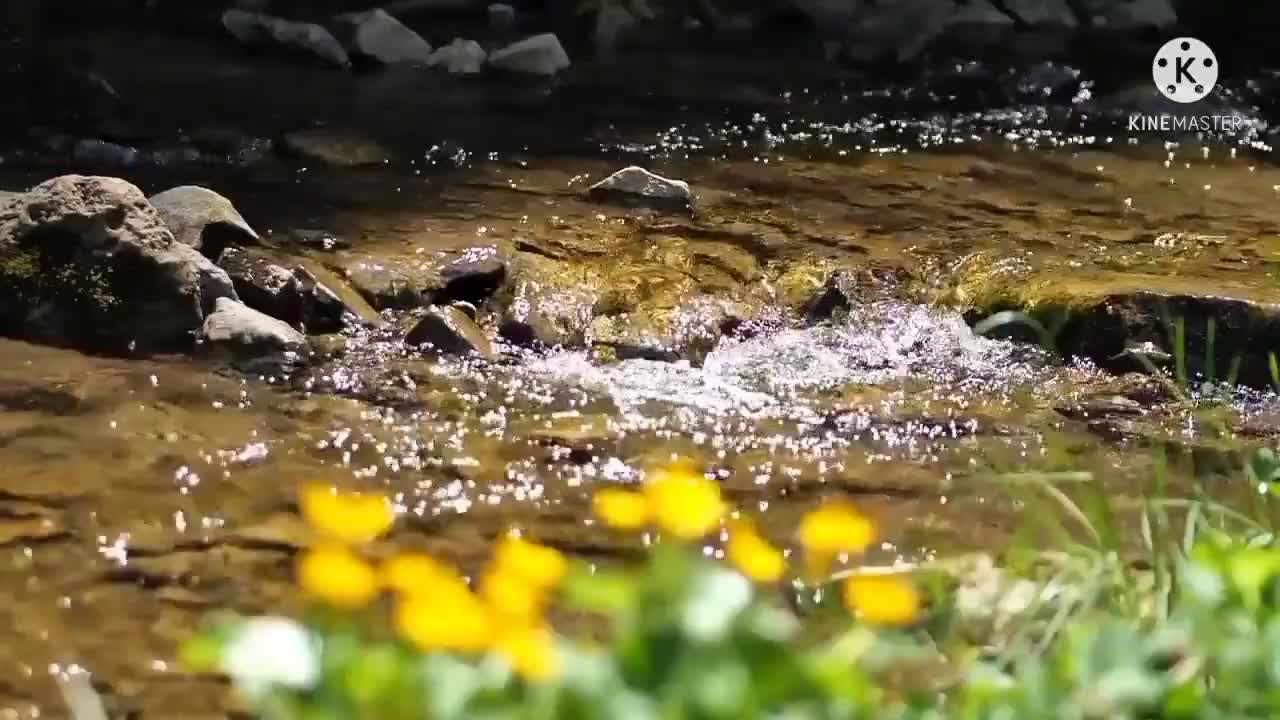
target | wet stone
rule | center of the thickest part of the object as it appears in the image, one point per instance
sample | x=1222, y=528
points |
x=831, y=299
x=636, y=186
x=388, y=287
x=378, y=35
x=532, y=329
x=474, y=278
x=1101, y=407
x=448, y=331
x=203, y=219
x=358, y=309
x=261, y=283
x=540, y=55
x=295, y=296
x=250, y=338
x=311, y=39
x=460, y=57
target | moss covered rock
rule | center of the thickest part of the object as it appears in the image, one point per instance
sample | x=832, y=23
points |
x=88, y=262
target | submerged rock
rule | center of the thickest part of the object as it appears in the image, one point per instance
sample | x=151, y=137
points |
x=378, y=35
x=460, y=57
x=538, y=55
x=635, y=185
x=253, y=28
x=242, y=334
x=87, y=261
x=388, y=287
x=532, y=329
x=449, y=331
x=105, y=154
x=336, y=147
x=203, y=219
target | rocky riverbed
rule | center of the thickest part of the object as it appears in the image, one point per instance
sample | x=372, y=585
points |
x=408, y=281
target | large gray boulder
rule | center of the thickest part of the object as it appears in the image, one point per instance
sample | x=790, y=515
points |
x=460, y=57
x=538, y=55
x=253, y=28
x=378, y=35
x=88, y=262
x=203, y=219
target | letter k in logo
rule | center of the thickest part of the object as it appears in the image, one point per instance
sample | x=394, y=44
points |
x=1183, y=66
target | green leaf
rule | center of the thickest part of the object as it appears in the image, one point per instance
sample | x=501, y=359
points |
x=202, y=653
x=373, y=673
x=603, y=591
x=1251, y=570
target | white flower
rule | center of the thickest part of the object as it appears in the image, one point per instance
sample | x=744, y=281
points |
x=272, y=651
x=720, y=595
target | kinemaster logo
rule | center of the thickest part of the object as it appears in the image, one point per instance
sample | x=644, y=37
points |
x=1185, y=70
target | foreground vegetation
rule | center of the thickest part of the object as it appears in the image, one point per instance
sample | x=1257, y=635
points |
x=1186, y=624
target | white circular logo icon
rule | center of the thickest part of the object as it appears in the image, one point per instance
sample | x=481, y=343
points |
x=1185, y=70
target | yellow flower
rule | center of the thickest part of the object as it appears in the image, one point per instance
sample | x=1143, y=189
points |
x=684, y=503
x=833, y=528
x=420, y=574
x=512, y=598
x=337, y=576
x=531, y=650
x=346, y=517
x=753, y=555
x=538, y=565
x=882, y=599
x=445, y=622
x=621, y=509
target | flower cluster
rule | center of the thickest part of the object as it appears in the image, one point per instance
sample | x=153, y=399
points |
x=436, y=609
x=687, y=505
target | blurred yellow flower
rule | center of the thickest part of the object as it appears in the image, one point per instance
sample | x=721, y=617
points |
x=511, y=597
x=684, y=503
x=621, y=509
x=420, y=574
x=538, y=565
x=834, y=527
x=531, y=650
x=346, y=517
x=882, y=599
x=447, y=621
x=752, y=554
x=338, y=576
